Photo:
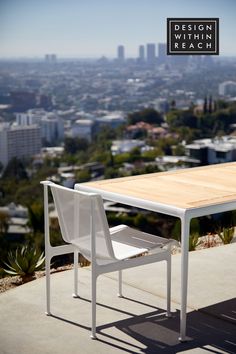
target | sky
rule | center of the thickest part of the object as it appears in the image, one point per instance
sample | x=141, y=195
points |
x=93, y=28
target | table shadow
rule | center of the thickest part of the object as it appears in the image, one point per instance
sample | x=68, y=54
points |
x=211, y=329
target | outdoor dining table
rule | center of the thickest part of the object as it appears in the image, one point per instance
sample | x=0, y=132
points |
x=183, y=193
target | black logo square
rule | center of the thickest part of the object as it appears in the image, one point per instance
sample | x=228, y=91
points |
x=193, y=36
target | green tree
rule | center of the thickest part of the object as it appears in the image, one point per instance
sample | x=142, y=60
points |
x=179, y=118
x=111, y=172
x=103, y=140
x=187, y=134
x=121, y=158
x=4, y=222
x=165, y=145
x=148, y=115
x=15, y=170
x=221, y=104
x=36, y=217
x=151, y=154
x=83, y=176
x=73, y=145
x=135, y=154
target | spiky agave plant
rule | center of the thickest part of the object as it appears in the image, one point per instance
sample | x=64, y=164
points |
x=226, y=235
x=25, y=261
x=194, y=241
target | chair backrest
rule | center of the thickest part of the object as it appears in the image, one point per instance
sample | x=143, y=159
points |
x=74, y=210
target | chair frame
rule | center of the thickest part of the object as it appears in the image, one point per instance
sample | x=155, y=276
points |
x=96, y=269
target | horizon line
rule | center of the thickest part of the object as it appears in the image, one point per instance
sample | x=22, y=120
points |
x=58, y=57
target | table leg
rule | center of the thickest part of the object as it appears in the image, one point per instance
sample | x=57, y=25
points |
x=185, y=228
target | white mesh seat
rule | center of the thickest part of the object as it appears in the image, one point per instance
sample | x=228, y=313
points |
x=84, y=227
x=128, y=242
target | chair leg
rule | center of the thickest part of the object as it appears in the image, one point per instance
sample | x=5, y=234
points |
x=168, y=263
x=48, y=287
x=94, y=296
x=76, y=260
x=120, y=283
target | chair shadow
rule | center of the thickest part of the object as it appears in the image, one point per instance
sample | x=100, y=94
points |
x=211, y=329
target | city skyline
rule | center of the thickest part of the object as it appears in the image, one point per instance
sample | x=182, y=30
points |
x=91, y=29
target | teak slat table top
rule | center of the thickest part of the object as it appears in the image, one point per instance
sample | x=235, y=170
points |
x=186, y=189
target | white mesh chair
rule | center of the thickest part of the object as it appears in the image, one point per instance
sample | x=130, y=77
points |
x=84, y=227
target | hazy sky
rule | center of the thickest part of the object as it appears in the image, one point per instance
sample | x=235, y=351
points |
x=92, y=28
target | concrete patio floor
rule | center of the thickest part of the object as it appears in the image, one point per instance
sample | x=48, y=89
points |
x=133, y=324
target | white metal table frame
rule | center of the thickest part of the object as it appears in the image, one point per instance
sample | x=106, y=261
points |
x=185, y=215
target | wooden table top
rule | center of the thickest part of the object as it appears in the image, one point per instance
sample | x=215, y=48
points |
x=185, y=189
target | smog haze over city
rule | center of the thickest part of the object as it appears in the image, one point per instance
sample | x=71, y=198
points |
x=91, y=29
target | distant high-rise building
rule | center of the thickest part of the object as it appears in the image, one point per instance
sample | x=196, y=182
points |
x=28, y=118
x=51, y=125
x=141, y=53
x=50, y=58
x=151, y=53
x=121, y=53
x=52, y=129
x=18, y=141
x=162, y=56
x=53, y=58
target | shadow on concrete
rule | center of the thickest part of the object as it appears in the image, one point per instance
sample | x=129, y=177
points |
x=225, y=310
x=158, y=333
x=211, y=329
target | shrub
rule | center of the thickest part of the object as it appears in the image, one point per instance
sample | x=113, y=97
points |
x=24, y=262
x=193, y=241
x=226, y=235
